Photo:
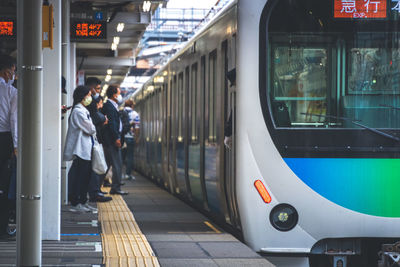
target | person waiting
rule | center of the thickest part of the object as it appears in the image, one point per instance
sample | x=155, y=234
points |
x=130, y=137
x=8, y=134
x=78, y=147
x=99, y=120
x=112, y=137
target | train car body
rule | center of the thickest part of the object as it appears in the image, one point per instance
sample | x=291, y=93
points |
x=315, y=114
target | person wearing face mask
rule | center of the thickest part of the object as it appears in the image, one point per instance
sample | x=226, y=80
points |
x=112, y=137
x=78, y=147
x=8, y=134
x=99, y=120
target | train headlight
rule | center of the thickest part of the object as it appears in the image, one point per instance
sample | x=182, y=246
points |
x=284, y=217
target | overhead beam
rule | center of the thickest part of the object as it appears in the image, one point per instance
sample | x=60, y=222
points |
x=130, y=45
x=106, y=61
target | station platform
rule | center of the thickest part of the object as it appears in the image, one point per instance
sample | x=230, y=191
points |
x=148, y=227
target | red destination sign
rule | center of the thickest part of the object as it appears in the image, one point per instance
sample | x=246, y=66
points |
x=7, y=28
x=359, y=9
x=87, y=30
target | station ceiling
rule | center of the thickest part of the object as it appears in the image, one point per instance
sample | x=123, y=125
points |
x=95, y=57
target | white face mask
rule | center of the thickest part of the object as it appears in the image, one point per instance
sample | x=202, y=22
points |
x=96, y=95
x=119, y=99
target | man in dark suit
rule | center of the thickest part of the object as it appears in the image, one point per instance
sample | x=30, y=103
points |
x=112, y=137
x=99, y=120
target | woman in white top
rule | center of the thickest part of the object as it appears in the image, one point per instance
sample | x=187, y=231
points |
x=78, y=147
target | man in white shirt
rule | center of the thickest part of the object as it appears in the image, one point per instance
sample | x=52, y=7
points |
x=130, y=137
x=8, y=133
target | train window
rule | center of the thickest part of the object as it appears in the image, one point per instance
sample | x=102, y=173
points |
x=161, y=112
x=203, y=90
x=330, y=71
x=173, y=108
x=212, y=83
x=300, y=85
x=193, y=104
x=180, y=106
x=186, y=101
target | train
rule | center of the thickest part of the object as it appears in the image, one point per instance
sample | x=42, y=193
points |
x=312, y=176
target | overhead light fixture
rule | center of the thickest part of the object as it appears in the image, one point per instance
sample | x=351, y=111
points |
x=108, y=78
x=146, y=6
x=116, y=40
x=105, y=87
x=109, y=71
x=113, y=46
x=120, y=27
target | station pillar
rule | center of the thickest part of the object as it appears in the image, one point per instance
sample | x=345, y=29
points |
x=29, y=158
x=51, y=148
x=65, y=96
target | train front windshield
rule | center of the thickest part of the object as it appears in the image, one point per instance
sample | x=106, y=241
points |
x=334, y=64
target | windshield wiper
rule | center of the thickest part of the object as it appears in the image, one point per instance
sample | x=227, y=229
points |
x=356, y=122
x=387, y=106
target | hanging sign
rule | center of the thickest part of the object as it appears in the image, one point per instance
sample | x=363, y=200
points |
x=88, y=30
x=7, y=28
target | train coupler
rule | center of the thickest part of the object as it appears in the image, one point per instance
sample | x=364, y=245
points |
x=389, y=255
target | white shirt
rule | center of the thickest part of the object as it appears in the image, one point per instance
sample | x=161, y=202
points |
x=133, y=117
x=116, y=107
x=8, y=110
x=79, y=139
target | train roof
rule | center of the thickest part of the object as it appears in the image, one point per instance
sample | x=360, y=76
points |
x=188, y=44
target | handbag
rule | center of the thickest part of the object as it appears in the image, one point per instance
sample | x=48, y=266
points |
x=99, y=164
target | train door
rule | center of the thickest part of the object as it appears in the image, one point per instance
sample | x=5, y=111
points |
x=171, y=134
x=211, y=150
x=163, y=133
x=194, y=148
x=229, y=104
x=202, y=127
x=179, y=148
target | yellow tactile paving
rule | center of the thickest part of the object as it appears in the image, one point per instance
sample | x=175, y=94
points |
x=123, y=242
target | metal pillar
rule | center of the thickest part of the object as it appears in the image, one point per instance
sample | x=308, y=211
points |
x=69, y=86
x=29, y=231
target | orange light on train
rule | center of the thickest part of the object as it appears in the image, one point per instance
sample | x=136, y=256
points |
x=262, y=191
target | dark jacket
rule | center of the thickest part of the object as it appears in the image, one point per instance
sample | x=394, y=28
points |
x=98, y=120
x=111, y=130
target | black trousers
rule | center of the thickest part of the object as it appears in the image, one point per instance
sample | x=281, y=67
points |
x=6, y=150
x=95, y=184
x=78, y=181
x=114, y=159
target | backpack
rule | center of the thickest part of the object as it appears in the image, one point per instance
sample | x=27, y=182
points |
x=126, y=126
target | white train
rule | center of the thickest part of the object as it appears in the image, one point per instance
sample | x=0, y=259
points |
x=313, y=175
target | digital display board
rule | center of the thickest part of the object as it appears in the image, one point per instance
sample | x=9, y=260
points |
x=88, y=30
x=7, y=28
x=360, y=9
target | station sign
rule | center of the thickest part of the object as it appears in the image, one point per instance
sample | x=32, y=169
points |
x=88, y=30
x=8, y=28
x=360, y=9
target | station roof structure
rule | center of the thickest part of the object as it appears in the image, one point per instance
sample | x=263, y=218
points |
x=117, y=51
x=96, y=56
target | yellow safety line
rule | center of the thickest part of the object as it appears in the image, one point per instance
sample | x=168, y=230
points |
x=123, y=242
x=212, y=227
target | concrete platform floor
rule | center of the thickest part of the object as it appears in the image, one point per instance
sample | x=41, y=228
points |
x=178, y=235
